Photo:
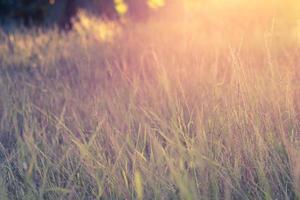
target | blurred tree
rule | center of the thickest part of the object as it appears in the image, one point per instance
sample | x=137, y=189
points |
x=61, y=12
x=47, y=12
x=27, y=11
x=4, y=7
x=38, y=12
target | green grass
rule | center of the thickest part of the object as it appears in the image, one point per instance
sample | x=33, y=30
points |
x=160, y=112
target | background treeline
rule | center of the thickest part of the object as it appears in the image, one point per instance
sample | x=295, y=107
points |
x=49, y=12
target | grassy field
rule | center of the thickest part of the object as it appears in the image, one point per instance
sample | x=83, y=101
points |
x=185, y=110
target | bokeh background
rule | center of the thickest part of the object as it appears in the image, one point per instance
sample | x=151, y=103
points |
x=60, y=11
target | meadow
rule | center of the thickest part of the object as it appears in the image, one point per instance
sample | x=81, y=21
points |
x=191, y=109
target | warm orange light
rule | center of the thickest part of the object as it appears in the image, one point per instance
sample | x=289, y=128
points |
x=155, y=4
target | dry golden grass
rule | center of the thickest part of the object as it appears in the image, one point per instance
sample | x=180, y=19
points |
x=176, y=111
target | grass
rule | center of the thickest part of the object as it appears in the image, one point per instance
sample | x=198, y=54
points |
x=159, y=112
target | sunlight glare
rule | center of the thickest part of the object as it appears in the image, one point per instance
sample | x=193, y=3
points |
x=121, y=7
x=155, y=4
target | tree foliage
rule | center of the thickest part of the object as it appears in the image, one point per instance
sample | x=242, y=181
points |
x=61, y=11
